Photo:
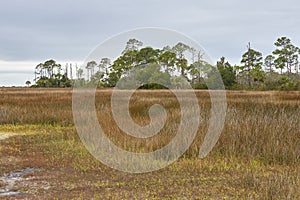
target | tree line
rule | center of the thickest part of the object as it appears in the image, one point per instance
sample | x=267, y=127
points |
x=51, y=74
x=168, y=65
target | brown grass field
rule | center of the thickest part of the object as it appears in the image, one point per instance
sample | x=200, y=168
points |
x=256, y=157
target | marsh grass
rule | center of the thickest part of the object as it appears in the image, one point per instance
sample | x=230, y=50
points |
x=70, y=172
x=256, y=157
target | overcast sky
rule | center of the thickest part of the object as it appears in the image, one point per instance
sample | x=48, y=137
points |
x=33, y=31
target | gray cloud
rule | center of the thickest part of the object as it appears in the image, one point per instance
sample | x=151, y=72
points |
x=68, y=30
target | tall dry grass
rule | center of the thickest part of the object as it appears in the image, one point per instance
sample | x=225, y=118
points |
x=259, y=125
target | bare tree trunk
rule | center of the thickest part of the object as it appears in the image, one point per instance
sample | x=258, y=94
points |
x=249, y=67
x=71, y=74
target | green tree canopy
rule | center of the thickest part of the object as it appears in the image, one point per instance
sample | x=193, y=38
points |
x=251, y=60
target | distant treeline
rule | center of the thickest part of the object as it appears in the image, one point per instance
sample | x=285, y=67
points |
x=278, y=71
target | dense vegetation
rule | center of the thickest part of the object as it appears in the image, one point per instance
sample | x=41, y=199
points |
x=278, y=71
x=50, y=74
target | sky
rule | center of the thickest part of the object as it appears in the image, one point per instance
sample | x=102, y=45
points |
x=33, y=31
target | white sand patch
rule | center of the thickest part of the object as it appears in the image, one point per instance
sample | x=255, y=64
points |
x=4, y=136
